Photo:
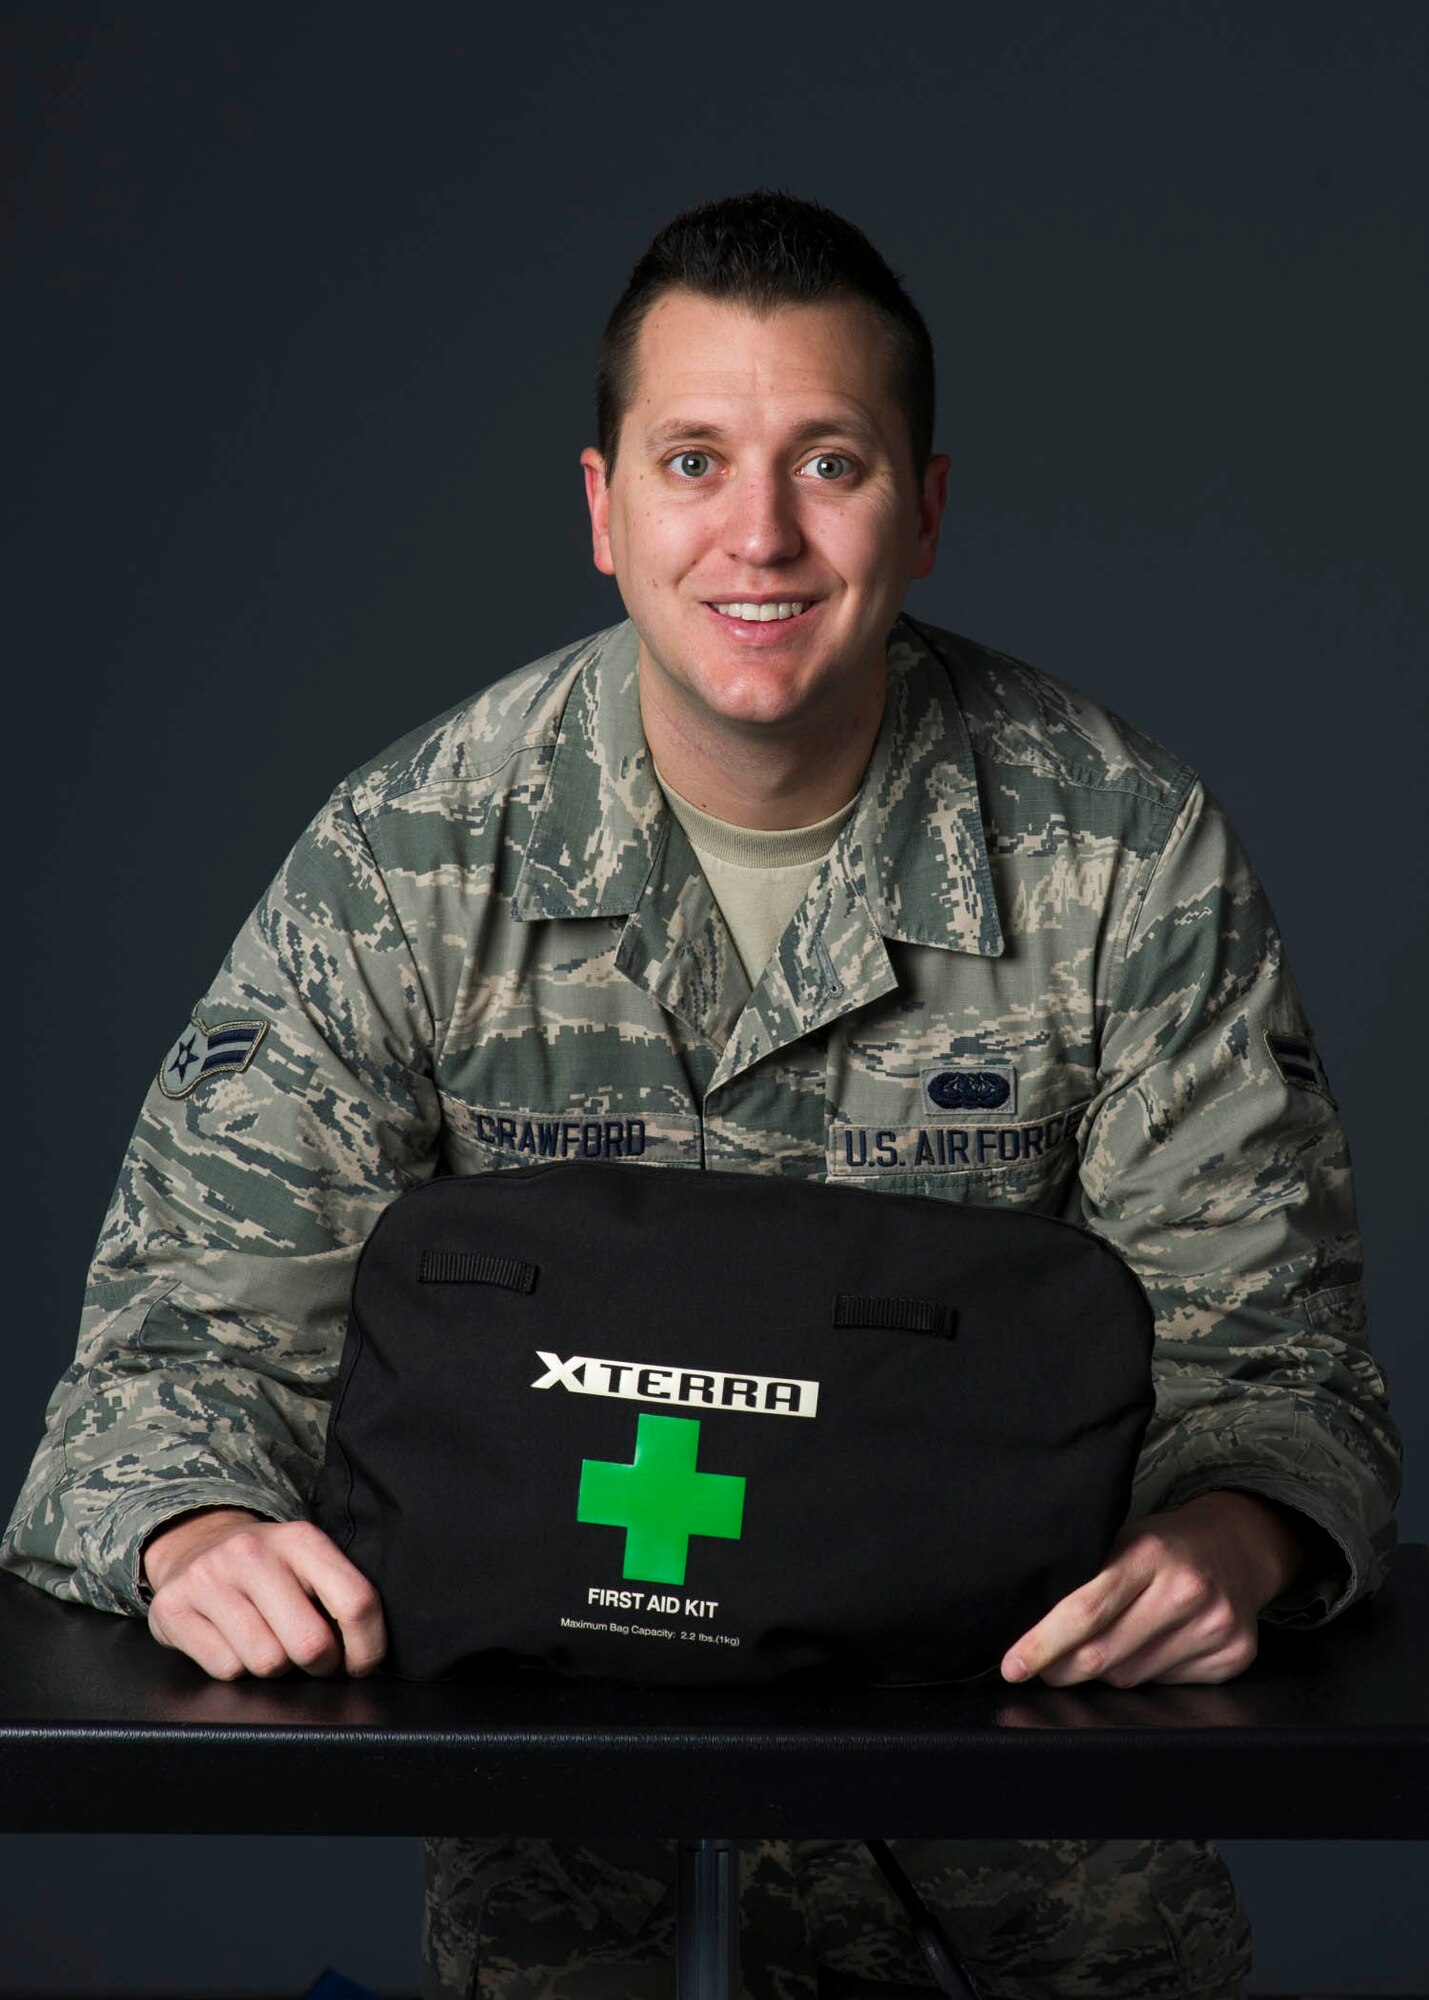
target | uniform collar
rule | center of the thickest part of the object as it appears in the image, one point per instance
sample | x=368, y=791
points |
x=603, y=838
x=918, y=824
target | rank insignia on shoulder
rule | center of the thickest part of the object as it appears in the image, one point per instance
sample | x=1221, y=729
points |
x=1296, y=1058
x=222, y=1050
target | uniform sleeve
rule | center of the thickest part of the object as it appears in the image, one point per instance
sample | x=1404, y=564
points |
x=1214, y=1160
x=296, y=1104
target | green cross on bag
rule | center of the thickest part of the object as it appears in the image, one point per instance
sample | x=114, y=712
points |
x=660, y=1500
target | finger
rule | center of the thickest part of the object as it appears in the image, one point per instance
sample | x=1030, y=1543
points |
x=346, y=1595
x=243, y=1622
x=1086, y=1612
x=252, y=1615
x=186, y=1630
x=300, y=1626
x=1170, y=1631
x=1165, y=1661
x=1212, y=1663
x=1152, y=1620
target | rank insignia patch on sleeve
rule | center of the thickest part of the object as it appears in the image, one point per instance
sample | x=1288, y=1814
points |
x=199, y=1052
x=1296, y=1058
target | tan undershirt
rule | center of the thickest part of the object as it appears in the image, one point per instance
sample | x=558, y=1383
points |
x=759, y=875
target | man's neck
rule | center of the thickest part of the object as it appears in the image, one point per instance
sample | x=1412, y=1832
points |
x=754, y=778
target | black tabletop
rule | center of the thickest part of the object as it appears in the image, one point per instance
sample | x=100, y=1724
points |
x=1326, y=1736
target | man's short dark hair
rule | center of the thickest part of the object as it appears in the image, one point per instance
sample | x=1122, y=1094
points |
x=764, y=250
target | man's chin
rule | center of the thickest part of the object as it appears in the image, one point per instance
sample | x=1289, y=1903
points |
x=761, y=691
x=764, y=696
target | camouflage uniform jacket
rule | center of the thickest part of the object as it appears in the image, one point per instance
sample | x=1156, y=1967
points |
x=1034, y=969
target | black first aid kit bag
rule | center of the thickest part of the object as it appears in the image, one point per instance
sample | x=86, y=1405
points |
x=674, y=1426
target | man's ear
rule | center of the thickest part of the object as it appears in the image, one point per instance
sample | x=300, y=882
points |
x=598, y=500
x=933, y=499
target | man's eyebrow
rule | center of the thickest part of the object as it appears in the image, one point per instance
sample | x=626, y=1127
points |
x=678, y=429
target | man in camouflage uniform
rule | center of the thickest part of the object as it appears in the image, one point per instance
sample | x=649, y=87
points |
x=728, y=886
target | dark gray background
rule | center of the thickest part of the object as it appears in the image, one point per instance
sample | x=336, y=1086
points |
x=301, y=318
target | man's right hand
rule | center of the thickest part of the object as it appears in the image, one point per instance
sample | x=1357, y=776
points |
x=243, y=1595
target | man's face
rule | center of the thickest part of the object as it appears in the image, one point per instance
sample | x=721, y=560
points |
x=763, y=459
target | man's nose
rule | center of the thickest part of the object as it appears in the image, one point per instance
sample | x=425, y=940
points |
x=762, y=519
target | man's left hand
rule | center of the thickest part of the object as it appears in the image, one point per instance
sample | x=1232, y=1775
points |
x=1177, y=1600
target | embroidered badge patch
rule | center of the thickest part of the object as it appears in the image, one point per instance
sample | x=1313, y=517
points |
x=222, y=1050
x=951, y=1088
x=1297, y=1060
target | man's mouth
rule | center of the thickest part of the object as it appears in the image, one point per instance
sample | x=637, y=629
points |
x=777, y=613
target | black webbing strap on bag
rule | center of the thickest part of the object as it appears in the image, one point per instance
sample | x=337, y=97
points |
x=687, y=1427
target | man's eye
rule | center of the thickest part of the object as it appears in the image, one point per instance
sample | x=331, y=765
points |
x=827, y=459
x=683, y=460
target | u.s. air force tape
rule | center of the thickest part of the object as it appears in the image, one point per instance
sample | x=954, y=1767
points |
x=959, y=1148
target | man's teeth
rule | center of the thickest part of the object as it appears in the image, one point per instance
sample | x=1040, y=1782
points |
x=764, y=612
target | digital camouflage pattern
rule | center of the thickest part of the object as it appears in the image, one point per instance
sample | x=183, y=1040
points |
x=1136, y=1918
x=495, y=944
